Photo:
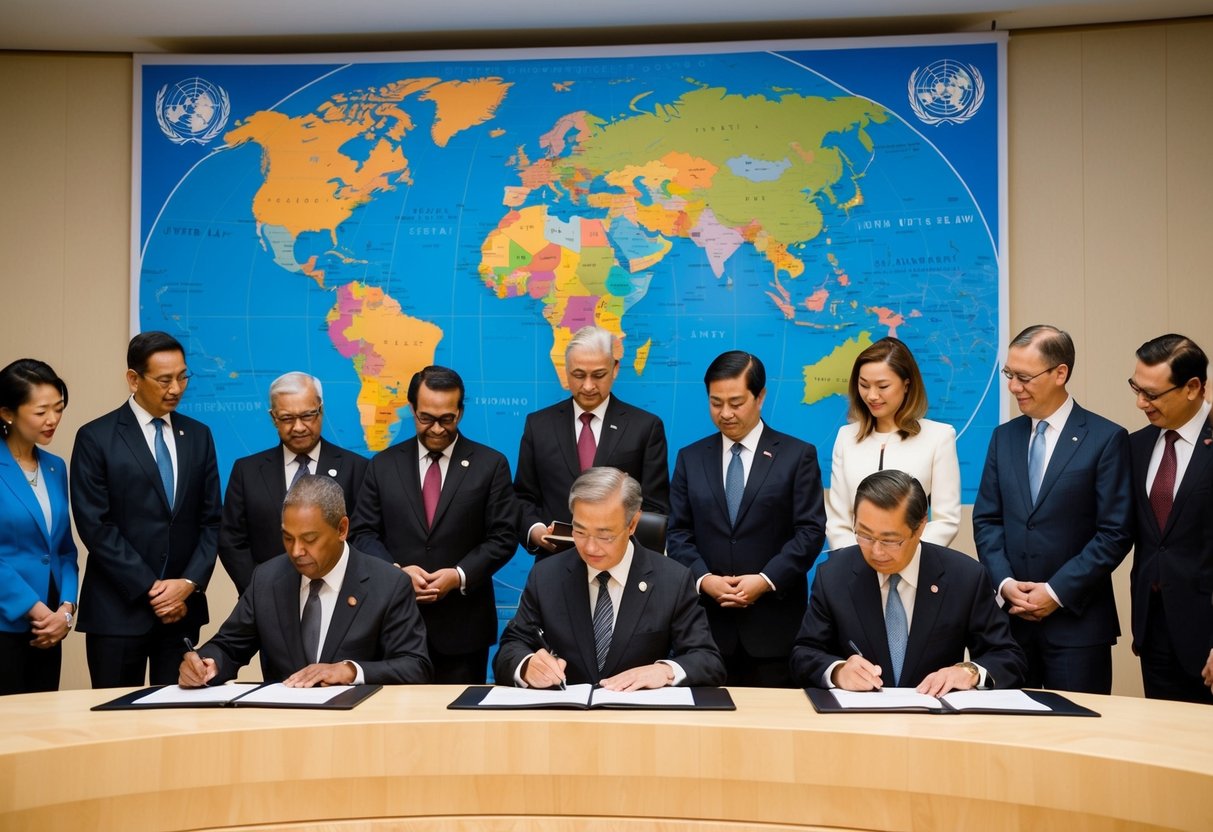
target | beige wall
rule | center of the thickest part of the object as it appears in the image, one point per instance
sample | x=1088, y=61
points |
x=1111, y=223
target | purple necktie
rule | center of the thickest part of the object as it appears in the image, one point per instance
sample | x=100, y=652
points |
x=432, y=487
x=586, y=446
x=1162, y=494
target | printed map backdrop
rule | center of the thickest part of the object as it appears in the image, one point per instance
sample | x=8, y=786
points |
x=359, y=217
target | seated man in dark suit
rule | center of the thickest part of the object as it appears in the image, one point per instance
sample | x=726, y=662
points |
x=593, y=428
x=610, y=611
x=323, y=613
x=251, y=532
x=894, y=611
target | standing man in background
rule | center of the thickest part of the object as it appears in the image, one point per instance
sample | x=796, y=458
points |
x=1052, y=518
x=1172, y=461
x=441, y=508
x=145, y=495
x=747, y=518
x=251, y=532
x=591, y=429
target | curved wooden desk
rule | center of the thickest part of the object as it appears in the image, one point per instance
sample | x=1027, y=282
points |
x=401, y=761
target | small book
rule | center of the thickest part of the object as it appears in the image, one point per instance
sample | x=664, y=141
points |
x=908, y=700
x=582, y=697
x=561, y=536
x=269, y=695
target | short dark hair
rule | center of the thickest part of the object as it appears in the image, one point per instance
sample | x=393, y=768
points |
x=890, y=489
x=435, y=378
x=146, y=344
x=18, y=380
x=1055, y=345
x=733, y=363
x=324, y=493
x=1186, y=359
x=901, y=361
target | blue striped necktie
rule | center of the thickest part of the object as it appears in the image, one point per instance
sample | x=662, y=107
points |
x=896, y=627
x=604, y=613
x=164, y=462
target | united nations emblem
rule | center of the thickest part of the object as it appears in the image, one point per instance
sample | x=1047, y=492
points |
x=946, y=92
x=193, y=110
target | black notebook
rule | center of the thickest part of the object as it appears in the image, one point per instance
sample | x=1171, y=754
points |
x=907, y=700
x=582, y=697
x=269, y=695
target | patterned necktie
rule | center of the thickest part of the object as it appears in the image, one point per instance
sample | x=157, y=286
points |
x=309, y=623
x=302, y=471
x=586, y=446
x=431, y=489
x=1036, y=460
x=896, y=627
x=604, y=612
x=164, y=462
x=734, y=482
x=1162, y=493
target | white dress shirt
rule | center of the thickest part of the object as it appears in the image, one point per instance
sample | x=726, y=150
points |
x=1184, y=446
x=149, y=434
x=290, y=463
x=444, y=463
x=328, y=596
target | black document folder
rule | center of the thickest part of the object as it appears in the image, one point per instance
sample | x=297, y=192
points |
x=242, y=697
x=824, y=702
x=581, y=697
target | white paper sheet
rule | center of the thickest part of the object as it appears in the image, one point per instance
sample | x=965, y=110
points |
x=176, y=695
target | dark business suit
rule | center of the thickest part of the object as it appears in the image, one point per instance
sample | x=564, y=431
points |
x=661, y=621
x=473, y=529
x=134, y=538
x=375, y=623
x=779, y=532
x=954, y=609
x=251, y=532
x=36, y=564
x=1172, y=577
x=632, y=440
x=1074, y=536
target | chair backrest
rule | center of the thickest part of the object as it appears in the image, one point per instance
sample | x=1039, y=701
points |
x=650, y=531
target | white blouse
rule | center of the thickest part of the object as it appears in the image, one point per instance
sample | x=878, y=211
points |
x=930, y=457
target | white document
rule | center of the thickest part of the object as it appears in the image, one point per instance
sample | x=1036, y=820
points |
x=994, y=700
x=661, y=697
x=530, y=697
x=890, y=698
x=280, y=694
x=177, y=695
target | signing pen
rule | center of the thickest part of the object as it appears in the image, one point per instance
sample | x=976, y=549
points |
x=855, y=648
x=543, y=642
x=189, y=645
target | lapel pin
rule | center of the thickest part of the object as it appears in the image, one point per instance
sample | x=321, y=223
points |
x=934, y=588
x=181, y=433
x=644, y=587
x=1073, y=438
x=1209, y=441
x=768, y=454
x=614, y=428
x=332, y=472
x=463, y=462
x=352, y=601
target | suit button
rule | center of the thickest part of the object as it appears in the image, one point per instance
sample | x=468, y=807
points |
x=1031, y=526
x=732, y=540
x=46, y=559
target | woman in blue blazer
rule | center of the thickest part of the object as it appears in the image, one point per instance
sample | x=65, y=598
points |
x=38, y=570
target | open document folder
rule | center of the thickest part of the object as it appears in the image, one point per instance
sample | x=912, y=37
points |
x=908, y=700
x=269, y=695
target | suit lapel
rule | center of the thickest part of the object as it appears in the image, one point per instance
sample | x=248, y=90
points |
x=184, y=440
x=764, y=461
x=577, y=602
x=1198, y=472
x=1018, y=431
x=355, y=586
x=928, y=597
x=1068, y=441
x=14, y=478
x=631, y=610
x=614, y=423
x=286, y=605
x=566, y=439
x=132, y=435
x=408, y=470
x=457, y=469
x=713, y=474
x=330, y=460
x=865, y=598
x=1141, y=451
x=273, y=475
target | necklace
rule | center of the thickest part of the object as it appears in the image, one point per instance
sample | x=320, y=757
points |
x=33, y=481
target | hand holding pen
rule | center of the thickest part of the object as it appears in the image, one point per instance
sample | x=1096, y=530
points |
x=544, y=669
x=195, y=671
x=857, y=673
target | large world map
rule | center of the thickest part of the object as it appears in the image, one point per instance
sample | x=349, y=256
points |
x=362, y=218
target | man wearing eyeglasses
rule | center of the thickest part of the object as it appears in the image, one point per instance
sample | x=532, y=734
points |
x=442, y=508
x=252, y=505
x=610, y=611
x=1172, y=578
x=1052, y=518
x=893, y=611
x=145, y=496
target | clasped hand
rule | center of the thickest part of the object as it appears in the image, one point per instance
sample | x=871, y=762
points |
x=734, y=590
x=167, y=598
x=1029, y=600
x=432, y=586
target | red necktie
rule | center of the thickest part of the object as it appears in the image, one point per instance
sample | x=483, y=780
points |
x=1162, y=494
x=431, y=488
x=586, y=446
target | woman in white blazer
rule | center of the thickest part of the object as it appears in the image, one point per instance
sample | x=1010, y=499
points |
x=886, y=430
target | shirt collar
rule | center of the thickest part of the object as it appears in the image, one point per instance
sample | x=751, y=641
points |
x=289, y=455
x=619, y=571
x=336, y=576
x=1058, y=418
x=1190, y=432
x=423, y=451
x=749, y=441
x=599, y=411
x=143, y=417
x=909, y=575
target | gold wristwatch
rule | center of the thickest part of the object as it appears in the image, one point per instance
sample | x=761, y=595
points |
x=972, y=668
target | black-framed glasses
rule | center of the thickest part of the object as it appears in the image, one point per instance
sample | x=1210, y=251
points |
x=1147, y=395
x=428, y=420
x=603, y=539
x=1025, y=379
x=880, y=543
x=166, y=382
x=307, y=417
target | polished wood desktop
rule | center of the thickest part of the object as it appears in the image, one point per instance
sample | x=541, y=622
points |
x=401, y=761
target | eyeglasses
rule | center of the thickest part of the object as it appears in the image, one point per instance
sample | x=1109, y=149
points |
x=880, y=543
x=1148, y=396
x=166, y=382
x=603, y=539
x=1023, y=378
x=446, y=419
x=307, y=417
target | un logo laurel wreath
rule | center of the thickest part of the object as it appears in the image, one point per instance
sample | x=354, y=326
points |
x=218, y=120
x=954, y=98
